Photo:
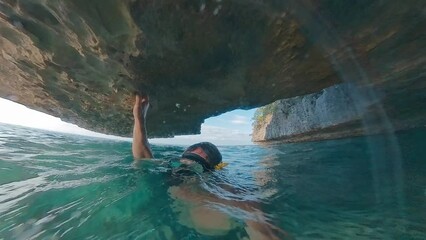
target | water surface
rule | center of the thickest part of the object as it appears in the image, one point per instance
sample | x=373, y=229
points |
x=58, y=186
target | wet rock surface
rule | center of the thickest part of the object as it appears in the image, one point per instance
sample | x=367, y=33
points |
x=82, y=60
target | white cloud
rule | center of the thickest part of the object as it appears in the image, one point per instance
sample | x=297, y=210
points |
x=216, y=135
x=238, y=119
x=17, y=114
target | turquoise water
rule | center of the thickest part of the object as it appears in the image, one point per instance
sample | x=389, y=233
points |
x=57, y=186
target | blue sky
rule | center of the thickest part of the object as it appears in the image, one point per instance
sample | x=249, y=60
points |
x=238, y=120
x=231, y=128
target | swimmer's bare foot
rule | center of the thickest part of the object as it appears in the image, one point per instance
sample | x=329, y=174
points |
x=140, y=108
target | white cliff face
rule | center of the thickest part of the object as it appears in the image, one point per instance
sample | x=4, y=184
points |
x=330, y=107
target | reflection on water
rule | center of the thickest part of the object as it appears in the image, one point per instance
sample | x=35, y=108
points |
x=59, y=186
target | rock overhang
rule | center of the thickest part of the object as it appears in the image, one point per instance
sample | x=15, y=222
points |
x=82, y=60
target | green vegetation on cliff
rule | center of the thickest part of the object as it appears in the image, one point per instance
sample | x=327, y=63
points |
x=262, y=112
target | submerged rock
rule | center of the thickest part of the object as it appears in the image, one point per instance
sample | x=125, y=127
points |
x=82, y=60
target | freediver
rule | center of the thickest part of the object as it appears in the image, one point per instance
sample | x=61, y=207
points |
x=204, y=219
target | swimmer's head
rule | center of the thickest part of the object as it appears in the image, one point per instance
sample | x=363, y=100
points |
x=204, y=153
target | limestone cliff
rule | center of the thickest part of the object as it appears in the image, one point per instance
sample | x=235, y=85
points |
x=309, y=117
x=81, y=60
x=333, y=112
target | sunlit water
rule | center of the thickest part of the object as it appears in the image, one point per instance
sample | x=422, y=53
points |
x=56, y=186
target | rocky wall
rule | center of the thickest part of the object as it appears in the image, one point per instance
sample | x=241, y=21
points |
x=82, y=60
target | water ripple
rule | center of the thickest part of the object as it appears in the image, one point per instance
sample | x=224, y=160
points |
x=55, y=186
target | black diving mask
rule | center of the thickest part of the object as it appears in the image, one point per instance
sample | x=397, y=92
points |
x=188, y=167
x=198, y=159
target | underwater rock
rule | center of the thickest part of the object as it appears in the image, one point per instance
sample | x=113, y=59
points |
x=82, y=60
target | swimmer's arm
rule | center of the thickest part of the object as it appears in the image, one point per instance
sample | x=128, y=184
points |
x=140, y=146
